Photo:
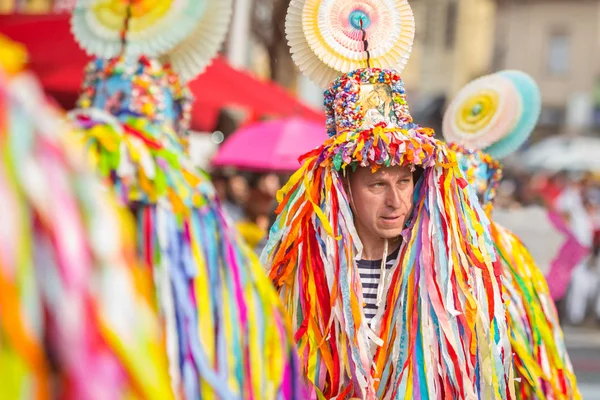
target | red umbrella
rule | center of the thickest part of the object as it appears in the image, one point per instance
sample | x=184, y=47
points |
x=270, y=146
x=59, y=63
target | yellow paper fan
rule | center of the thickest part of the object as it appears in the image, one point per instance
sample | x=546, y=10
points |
x=155, y=26
x=326, y=39
x=190, y=57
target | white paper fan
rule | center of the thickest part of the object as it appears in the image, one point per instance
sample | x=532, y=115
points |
x=191, y=57
x=155, y=26
x=326, y=40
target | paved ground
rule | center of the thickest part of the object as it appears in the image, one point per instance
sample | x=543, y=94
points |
x=584, y=349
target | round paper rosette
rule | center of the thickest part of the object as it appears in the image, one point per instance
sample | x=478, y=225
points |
x=483, y=112
x=531, y=102
x=190, y=57
x=188, y=33
x=495, y=113
x=326, y=36
x=154, y=27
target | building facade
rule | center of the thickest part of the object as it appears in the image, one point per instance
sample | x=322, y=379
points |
x=556, y=42
x=454, y=44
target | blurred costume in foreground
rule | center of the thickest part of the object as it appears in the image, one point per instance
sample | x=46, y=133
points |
x=489, y=119
x=226, y=335
x=76, y=314
x=439, y=330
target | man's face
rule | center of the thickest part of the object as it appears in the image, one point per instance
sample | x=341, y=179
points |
x=382, y=201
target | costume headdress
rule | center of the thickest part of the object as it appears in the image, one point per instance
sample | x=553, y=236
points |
x=490, y=118
x=443, y=330
x=77, y=318
x=226, y=336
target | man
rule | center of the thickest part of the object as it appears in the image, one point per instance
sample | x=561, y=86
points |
x=381, y=203
x=380, y=253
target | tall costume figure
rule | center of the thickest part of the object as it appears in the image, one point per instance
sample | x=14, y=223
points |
x=77, y=319
x=226, y=335
x=489, y=119
x=439, y=330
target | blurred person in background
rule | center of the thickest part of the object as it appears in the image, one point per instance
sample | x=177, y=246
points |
x=573, y=206
x=548, y=186
x=523, y=195
x=593, y=209
x=584, y=280
x=577, y=212
x=222, y=183
x=258, y=208
x=592, y=195
x=238, y=186
x=77, y=319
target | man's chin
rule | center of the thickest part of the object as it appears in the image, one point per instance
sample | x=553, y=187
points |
x=390, y=233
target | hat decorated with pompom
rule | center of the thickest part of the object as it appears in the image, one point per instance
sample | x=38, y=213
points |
x=357, y=50
x=370, y=122
x=139, y=87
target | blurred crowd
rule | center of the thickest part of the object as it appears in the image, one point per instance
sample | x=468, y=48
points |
x=250, y=200
x=574, y=197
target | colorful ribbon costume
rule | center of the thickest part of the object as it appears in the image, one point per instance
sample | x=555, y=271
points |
x=489, y=119
x=443, y=331
x=225, y=331
x=76, y=314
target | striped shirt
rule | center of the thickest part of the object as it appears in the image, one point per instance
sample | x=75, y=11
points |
x=370, y=278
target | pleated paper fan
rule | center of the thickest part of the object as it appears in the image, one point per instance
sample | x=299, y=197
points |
x=191, y=56
x=483, y=112
x=531, y=101
x=326, y=40
x=155, y=26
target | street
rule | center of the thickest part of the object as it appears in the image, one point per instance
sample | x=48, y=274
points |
x=584, y=349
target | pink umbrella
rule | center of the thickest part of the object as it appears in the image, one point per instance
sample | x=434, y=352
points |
x=270, y=146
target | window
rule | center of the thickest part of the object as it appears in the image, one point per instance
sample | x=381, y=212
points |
x=451, y=16
x=558, y=54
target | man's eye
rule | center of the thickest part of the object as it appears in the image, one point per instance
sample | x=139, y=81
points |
x=405, y=181
x=377, y=184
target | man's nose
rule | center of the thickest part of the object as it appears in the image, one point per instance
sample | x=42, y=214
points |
x=393, y=197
